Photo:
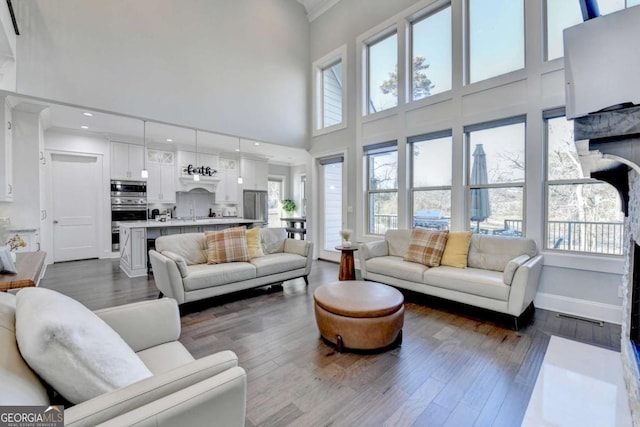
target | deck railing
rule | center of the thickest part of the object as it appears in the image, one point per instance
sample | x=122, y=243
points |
x=577, y=236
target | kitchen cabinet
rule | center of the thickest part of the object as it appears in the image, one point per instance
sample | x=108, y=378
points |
x=127, y=161
x=6, y=150
x=255, y=174
x=161, y=184
x=133, y=251
x=228, y=188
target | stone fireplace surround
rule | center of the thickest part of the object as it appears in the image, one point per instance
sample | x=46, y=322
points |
x=608, y=144
x=629, y=361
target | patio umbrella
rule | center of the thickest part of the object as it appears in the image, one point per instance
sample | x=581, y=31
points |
x=480, y=209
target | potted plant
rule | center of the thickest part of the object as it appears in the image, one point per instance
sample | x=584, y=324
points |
x=345, y=234
x=289, y=206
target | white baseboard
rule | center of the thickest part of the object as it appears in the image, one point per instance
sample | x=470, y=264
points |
x=579, y=307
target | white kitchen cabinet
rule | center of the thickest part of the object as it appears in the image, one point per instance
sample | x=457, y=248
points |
x=161, y=184
x=228, y=188
x=6, y=150
x=255, y=174
x=127, y=161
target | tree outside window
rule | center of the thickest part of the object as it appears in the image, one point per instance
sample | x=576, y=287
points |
x=583, y=214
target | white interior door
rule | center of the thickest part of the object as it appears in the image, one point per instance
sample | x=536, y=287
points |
x=76, y=188
x=331, y=198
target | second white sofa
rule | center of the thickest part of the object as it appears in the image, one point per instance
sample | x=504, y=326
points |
x=284, y=259
x=502, y=273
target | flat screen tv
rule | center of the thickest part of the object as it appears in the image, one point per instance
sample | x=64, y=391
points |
x=602, y=63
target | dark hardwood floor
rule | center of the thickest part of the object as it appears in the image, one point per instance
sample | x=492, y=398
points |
x=456, y=366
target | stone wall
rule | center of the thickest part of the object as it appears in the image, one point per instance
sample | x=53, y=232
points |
x=629, y=363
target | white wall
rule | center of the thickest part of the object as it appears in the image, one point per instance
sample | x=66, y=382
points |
x=569, y=283
x=237, y=67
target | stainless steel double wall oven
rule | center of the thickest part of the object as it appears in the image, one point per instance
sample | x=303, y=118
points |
x=128, y=203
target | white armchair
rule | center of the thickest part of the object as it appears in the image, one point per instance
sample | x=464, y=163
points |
x=182, y=391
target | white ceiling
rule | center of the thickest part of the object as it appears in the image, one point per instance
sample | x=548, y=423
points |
x=129, y=129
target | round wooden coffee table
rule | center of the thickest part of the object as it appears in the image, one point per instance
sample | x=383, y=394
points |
x=359, y=315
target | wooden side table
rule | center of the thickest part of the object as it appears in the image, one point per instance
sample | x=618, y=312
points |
x=347, y=264
x=29, y=266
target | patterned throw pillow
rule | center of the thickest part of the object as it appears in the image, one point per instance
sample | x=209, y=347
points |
x=227, y=245
x=426, y=246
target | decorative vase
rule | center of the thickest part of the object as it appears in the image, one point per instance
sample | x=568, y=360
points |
x=346, y=243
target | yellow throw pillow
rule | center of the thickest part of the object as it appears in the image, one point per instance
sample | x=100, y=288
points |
x=253, y=243
x=426, y=246
x=227, y=245
x=457, y=249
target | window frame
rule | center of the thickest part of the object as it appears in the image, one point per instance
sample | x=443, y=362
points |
x=547, y=115
x=469, y=162
x=338, y=55
x=467, y=47
x=366, y=62
x=411, y=21
x=412, y=188
x=375, y=149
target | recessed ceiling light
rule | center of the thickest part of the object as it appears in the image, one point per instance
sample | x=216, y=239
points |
x=256, y=143
x=84, y=127
x=87, y=114
x=169, y=140
x=237, y=149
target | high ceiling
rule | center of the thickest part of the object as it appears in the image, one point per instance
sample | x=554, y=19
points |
x=316, y=8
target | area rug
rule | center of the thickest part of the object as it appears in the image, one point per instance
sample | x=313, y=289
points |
x=578, y=385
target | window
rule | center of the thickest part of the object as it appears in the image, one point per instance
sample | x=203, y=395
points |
x=496, y=38
x=583, y=214
x=496, y=176
x=382, y=74
x=330, y=91
x=382, y=187
x=560, y=14
x=431, y=54
x=274, y=197
x=331, y=171
x=431, y=169
x=303, y=195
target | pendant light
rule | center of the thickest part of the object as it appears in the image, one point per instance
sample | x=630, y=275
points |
x=144, y=173
x=196, y=176
x=239, y=164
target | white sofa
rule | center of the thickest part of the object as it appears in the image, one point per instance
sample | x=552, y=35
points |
x=284, y=259
x=182, y=391
x=502, y=273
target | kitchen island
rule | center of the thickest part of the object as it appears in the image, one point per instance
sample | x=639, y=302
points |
x=134, y=236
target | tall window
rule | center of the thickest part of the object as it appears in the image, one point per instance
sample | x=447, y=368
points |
x=331, y=170
x=496, y=38
x=496, y=176
x=332, y=95
x=583, y=215
x=561, y=14
x=431, y=54
x=330, y=92
x=431, y=161
x=303, y=195
x=274, y=197
x=382, y=74
x=382, y=186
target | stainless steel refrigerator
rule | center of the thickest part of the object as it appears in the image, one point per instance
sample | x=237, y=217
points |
x=255, y=206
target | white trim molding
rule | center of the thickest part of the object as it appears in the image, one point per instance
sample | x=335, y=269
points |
x=579, y=307
x=315, y=8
